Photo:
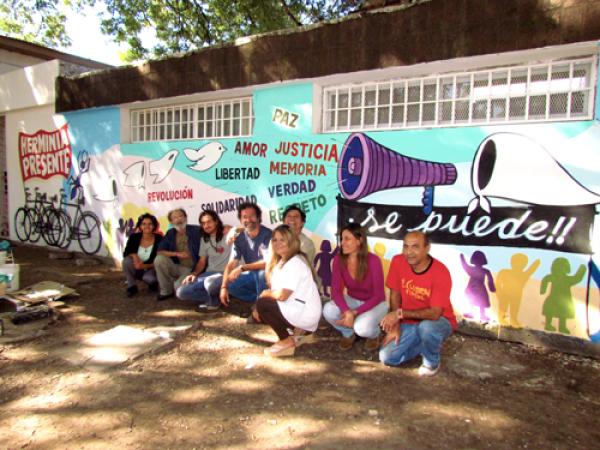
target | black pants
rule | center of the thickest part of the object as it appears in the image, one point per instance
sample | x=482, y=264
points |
x=269, y=313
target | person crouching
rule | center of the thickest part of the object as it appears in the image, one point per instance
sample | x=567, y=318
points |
x=292, y=305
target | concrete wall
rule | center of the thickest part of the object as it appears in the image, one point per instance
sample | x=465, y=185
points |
x=29, y=87
x=10, y=61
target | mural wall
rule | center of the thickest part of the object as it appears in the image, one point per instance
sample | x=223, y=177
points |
x=511, y=209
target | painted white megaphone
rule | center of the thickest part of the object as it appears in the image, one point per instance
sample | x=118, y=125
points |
x=514, y=167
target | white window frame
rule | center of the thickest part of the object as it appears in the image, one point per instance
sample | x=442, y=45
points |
x=200, y=120
x=464, y=98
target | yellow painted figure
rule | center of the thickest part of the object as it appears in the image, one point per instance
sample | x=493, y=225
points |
x=509, y=288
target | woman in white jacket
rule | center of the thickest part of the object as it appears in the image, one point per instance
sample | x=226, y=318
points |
x=292, y=305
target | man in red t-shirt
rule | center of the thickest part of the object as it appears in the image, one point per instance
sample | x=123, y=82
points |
x=421, y=316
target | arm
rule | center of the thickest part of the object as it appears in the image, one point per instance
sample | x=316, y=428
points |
x=198, y=269
x=281, y=295
x=374, y=278
x=578, y=276
x=532, y=268
x=544, y=284
x=465, y=265
x=337, y=285
x=224, y=294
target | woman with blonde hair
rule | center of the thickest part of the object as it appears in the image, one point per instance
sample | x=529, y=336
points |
x=292, y=305
x=357, y=290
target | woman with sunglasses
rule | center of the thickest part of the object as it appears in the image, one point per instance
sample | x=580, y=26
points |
x=292, y=305
x=357, y=290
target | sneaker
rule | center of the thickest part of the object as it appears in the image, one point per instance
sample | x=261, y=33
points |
x=346, y=343
x=372, y=344
x=131, y=291
x=204, y=308
x=162, y=297
x=426, y=371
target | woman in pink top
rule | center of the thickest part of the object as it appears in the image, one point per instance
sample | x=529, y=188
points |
x=357, y=290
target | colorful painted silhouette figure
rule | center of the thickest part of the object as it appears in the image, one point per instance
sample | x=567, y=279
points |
x=559, y=303
x=476, y=290
x=594, y=275
x=322, y=264
x=379, y=249
x=509, y=288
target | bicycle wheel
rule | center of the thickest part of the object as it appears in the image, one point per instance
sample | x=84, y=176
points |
x=66, y=235
x=88, y=233
x=22, y=224
x=52, y=227
x=37, y=223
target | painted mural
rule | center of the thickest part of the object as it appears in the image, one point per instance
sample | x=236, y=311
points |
x=510, y=208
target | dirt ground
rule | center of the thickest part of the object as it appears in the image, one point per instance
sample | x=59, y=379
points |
x=212, y=388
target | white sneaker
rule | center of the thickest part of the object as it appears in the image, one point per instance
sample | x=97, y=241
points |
x=425, y=371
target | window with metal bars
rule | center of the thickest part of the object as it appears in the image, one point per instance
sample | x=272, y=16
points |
x=560, y=90
x=217, y=119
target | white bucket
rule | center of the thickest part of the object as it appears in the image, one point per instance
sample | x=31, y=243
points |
x=12, y=270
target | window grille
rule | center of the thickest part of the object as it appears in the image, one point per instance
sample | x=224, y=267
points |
x=218, y=119
x=562, y=90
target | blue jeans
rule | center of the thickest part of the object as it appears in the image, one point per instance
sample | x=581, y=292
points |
x=424, y=338
x=248, y=285
x=205, y=289
x=365, y=325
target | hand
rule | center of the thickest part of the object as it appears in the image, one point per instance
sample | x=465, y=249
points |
x=183, y=255
x=234, y=274
x=265, y=293
x=389, y=321
x=224, y=296
x=189, y=279
x=139, y=265
x=256, y=315
x=347, y=319
x=392, y=335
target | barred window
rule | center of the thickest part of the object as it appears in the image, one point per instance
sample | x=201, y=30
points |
x=562, y=90
x=218, y=119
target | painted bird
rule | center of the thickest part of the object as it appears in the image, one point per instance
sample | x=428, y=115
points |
x=205, y=157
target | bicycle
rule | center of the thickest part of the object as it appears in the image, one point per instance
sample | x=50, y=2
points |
x=85, y=226
x=38, y=218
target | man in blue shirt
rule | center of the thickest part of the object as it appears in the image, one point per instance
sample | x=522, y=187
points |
x=244, y=276
x=177, y=253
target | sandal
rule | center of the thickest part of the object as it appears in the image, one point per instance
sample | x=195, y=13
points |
x=278, y=350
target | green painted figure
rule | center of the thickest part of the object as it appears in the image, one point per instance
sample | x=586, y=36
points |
x=559, y=302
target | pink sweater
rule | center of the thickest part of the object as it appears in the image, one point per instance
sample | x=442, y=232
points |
x=370, y=290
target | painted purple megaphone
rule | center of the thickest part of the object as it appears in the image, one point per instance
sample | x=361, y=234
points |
x=366, y=167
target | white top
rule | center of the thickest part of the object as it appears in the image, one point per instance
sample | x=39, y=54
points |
x=144, y=253
x=303, y=307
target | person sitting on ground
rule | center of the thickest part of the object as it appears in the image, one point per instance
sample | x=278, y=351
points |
x=292, y=305
x=203, y=286
x=177, y=253
x=421, y=316
x=246, y=281
x=357, y=290
x=295, y=218
x=139, y=254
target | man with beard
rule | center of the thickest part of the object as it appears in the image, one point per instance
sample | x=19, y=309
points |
x=177, y=253
x=246, y=281
x=204, y=283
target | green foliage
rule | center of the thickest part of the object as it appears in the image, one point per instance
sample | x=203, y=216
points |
x=183, y=25
x=38, y=21
x=178, y=25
